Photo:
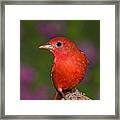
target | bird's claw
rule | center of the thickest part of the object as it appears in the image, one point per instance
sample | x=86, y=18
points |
x=61, y=92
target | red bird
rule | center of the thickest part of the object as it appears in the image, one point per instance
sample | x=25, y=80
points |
x=70, y=64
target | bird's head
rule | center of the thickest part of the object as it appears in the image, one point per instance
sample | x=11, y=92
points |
x=59, y=45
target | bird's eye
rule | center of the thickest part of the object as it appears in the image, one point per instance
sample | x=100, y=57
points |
x=58, y=44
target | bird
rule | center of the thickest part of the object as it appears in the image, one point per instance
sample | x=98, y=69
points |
x=69, y=66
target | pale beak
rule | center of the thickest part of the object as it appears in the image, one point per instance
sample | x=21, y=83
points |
x=49, y=47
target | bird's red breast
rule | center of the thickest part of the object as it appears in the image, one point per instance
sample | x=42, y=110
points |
x=69, y=65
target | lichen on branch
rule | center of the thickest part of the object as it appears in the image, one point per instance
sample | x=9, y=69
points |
x=72, y=95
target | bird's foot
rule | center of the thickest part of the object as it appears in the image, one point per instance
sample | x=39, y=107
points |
x=61, y=92
x=63, y=95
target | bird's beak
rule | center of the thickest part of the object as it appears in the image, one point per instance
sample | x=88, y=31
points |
x=48, y=46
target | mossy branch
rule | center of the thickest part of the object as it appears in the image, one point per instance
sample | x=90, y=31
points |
x=72, y=95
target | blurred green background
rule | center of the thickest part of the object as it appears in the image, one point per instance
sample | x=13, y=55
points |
x=35, y=66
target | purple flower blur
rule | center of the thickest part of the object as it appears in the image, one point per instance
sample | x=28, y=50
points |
x=40, y=94
x=90, y=51
x=27, y=76
x=52, y=28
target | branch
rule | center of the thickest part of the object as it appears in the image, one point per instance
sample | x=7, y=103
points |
x=72, y=95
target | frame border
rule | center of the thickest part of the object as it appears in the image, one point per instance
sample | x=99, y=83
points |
x=2, y=65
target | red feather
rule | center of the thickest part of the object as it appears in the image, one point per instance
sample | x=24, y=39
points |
x=69, y=65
